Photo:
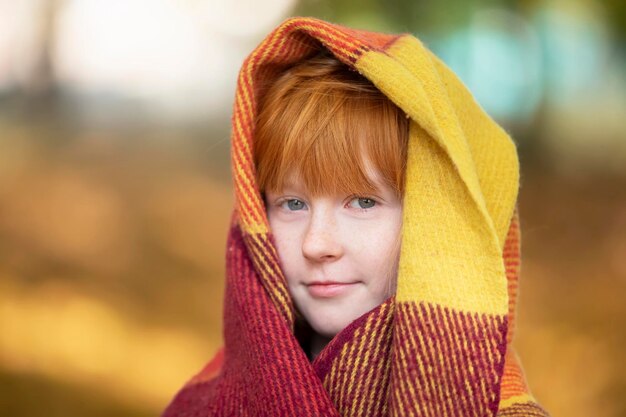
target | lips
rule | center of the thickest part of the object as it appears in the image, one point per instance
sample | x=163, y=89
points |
x=328, y=289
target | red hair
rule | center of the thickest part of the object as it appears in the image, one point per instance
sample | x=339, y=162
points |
x=326, y=124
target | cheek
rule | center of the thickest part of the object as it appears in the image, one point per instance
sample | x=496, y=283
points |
x=288, y=243
x=378, y=247
x=379, y=236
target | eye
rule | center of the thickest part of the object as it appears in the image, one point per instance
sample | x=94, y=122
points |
x=293, y=204
x=362, y=203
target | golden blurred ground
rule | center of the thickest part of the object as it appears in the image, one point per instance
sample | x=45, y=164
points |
x=111, y=274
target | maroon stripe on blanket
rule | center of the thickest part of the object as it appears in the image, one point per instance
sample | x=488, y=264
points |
x=265, y=372
x=447, y=363
x=355, y=366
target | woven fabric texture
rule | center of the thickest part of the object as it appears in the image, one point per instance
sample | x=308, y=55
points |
x=442, y=346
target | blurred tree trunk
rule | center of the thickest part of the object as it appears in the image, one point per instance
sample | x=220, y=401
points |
x=40, y=81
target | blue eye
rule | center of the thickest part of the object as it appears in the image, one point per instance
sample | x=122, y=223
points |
x=294, y=204
x=362, y=203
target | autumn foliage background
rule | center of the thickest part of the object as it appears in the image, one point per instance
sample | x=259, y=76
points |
x=115, y=191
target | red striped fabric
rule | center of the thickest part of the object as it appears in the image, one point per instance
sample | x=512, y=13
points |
x=400, y=359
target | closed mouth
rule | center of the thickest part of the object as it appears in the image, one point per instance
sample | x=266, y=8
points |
x=328, y=289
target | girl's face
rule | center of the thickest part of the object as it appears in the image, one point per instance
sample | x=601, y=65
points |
x=339, y=252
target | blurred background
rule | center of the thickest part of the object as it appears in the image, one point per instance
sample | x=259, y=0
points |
x=115, y=190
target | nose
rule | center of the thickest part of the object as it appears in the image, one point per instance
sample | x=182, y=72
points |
x=322, y=242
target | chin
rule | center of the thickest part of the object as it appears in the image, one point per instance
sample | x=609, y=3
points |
x=328, y=327
x=327, y=331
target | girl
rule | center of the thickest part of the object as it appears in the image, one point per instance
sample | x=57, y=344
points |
x=330, y=153
x=344, y=144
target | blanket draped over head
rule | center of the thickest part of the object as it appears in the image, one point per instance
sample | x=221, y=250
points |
x=442, y=345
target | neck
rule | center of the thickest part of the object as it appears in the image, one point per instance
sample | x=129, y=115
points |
x=318, y=343
x=311, y=342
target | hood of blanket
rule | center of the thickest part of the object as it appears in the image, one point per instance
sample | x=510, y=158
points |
x=462, y=172
x=455, y=298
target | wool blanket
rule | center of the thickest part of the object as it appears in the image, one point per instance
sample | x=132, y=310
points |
x=442, y=345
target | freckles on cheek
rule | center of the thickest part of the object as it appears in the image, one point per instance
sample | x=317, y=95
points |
x=286, y=241
x=285, y=246
x=378, y=239
x=372, y=236
x=289, y=254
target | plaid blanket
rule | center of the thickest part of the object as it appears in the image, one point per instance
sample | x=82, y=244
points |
x=442, y=345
